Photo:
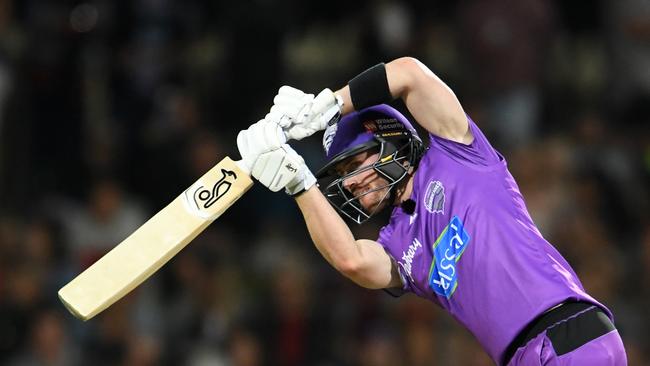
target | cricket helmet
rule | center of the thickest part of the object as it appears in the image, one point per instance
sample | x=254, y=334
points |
x=380, y=129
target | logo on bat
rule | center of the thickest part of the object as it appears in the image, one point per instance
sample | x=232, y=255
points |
x=207, y=197
x=200, y=198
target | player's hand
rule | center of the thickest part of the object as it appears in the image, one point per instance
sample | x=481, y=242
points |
x=301, y=115
x=283, y=168
x=259, y=138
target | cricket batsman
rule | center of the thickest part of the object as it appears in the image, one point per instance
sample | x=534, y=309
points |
x=459, y=234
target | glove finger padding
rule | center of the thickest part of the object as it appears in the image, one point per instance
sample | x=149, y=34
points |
x=299, y=132
x=279, y=118
x=284, y=100
x=326, y=109
x=291, y=100
x=275, y=169
x=290, y=111
x=293, y=103
x=247, y=154
x=265, y=136
x=312, y=116
x=323, y=101
x=259, y=138
x=290, y=91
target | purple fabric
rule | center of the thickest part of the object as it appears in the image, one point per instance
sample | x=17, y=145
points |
x=606, y=350
x=351, y=132
x=472, y=248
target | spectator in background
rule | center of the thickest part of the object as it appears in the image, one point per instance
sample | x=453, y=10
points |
x=49, y=344
x=30, y=271
x=22, y=297
x=5, y=87
x=108, y=217
x=505, y=44
x=245, y=349
x=629, y=35
x=378, y=348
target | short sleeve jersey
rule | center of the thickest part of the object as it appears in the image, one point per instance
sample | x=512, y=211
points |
x=471, y=246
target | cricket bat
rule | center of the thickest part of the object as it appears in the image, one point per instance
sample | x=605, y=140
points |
x=155, y=242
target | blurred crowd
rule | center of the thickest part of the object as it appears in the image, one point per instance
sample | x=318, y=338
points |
x=109, y=109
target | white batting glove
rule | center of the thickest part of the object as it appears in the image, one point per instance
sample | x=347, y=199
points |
x=283, y=168
x=301, y=115
x=259, y=138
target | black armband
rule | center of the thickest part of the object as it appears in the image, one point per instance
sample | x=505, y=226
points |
x=370, y=88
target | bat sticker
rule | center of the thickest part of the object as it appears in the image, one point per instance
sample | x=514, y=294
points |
x=210, y=197
x=200, y=198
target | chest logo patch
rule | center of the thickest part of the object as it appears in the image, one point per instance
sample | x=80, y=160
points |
x=447, y=250
x=434, y=199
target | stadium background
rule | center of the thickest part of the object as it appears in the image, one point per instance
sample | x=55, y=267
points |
x=109, y=109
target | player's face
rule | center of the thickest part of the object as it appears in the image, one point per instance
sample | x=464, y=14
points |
x=360, y=184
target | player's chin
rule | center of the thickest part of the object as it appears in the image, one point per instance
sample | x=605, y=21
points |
x=373, y=202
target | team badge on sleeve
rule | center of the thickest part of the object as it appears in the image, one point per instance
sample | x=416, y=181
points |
x=447, y=251
x=434, y=199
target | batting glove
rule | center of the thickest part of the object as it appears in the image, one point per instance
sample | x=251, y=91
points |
x=283, y=168
x=301, y=115
x=260, y=137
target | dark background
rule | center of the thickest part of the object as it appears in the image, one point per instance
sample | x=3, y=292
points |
x=109, y=109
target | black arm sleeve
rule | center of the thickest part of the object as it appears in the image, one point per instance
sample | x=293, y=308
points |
x=370, y=88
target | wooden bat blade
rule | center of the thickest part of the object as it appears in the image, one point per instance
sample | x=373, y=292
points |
x=155, y=242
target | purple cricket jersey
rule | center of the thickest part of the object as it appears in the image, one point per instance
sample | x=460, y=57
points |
x=471, y=247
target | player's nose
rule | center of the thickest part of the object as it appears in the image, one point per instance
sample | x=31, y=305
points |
x=351, y=182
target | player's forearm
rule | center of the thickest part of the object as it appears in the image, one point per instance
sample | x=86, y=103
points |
x=330, y=234
x=366, y=265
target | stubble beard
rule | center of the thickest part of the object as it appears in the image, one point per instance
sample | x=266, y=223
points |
x=375, y=201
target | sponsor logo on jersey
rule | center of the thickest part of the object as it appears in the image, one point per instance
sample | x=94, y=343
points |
x=447, y=250
x=434, y=199
x=406, y=261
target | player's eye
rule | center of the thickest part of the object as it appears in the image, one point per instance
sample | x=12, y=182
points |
x=350, y=167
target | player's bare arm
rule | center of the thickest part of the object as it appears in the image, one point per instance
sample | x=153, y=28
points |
x=431, y=102
x=363, y=261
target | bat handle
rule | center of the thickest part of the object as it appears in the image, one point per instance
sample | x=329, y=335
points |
x=243, y=167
